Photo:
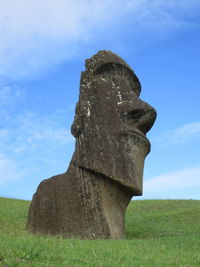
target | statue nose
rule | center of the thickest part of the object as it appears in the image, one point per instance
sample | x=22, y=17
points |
x=143, y=117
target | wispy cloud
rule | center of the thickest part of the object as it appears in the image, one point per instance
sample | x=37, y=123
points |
x=179, y=135
x=9, y=170
x=32, y=140
x=37, y=34
x=181, y=179
x=28, y=138
x=29, y=132
x=9, y=94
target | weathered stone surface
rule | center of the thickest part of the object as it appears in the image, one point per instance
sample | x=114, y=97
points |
x=110, y=125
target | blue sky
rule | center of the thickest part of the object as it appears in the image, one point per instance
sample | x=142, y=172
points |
x=42, y=51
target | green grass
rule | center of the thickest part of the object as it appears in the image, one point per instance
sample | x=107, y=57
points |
x=159, y=233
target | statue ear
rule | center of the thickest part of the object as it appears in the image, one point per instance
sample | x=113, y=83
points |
x=76, y=125
x=79, y=120
x=75, y=130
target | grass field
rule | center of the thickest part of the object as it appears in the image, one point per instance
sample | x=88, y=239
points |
x=159, y=233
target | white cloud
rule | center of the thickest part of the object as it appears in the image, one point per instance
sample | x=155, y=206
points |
x=179, y=135
x=37, y=34
x=9, y=170
x=8, y=95
x=181, y=179
x=28, y=138
x=187, y=130
x=30, y=141
x=29, y=131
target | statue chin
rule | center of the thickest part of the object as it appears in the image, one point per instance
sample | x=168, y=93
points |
x=110, y=125
x=123, y=165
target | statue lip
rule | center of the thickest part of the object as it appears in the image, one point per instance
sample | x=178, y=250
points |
x=140, y=135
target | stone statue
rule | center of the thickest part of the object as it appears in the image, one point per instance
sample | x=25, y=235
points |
x=110, y=125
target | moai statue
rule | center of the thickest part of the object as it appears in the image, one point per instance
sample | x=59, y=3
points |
x=110, y=125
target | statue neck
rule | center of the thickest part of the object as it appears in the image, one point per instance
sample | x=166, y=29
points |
x=105, y=199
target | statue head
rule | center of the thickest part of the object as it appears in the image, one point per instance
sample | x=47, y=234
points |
x=111, y=122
